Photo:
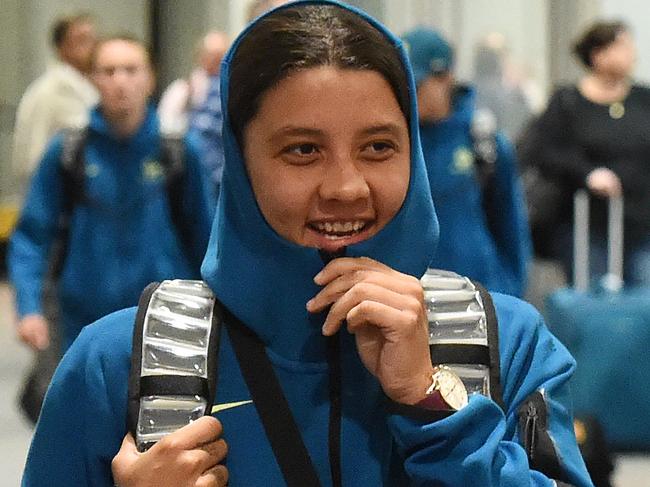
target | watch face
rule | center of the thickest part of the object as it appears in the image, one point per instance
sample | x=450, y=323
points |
x=451, y=388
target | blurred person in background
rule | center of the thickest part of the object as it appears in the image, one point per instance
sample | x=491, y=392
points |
x=596, y=135
x=60, y=98
x=472, y=172
x=113, y=216
x=495, y=91
x=194, y=105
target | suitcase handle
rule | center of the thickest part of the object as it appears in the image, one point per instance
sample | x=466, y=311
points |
x=613, y=280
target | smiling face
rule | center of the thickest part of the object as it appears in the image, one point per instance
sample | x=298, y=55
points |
x=328, y=156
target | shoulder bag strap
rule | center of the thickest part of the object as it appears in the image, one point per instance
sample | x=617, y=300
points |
x=271, y=404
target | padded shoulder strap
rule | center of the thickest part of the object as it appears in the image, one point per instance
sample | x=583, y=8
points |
x=463, y=331
x=174, y=358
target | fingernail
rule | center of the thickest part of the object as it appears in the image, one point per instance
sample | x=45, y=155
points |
x=318, y=277
x=325, y=330
x=309, y=304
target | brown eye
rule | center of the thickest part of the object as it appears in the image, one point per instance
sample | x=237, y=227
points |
x=301, y=154
x=303, y=149
x=379, y=150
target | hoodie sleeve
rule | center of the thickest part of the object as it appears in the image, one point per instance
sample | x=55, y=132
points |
x=32, y=239
x=482, y=445
x=82, y=422
x=511, y=229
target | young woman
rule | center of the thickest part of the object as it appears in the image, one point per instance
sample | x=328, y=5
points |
x=323, y=157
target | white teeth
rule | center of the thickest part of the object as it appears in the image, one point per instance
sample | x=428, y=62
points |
x=341, y=227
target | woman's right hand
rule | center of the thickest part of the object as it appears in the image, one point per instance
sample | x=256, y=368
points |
x=189, y=457
x=604, y=182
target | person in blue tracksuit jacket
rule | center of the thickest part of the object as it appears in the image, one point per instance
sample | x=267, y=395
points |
x=121, y=235
x=322, y=155
x=487, y=240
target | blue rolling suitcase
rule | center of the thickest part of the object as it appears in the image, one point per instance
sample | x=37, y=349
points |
x=607, y=329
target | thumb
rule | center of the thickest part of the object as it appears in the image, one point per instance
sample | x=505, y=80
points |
x=126, y=457
x=128, y=444
x=128, y=451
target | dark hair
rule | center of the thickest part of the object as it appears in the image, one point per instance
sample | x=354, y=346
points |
x=126, y=37
x=298, y=38
x=599, y=35
x=62, y=26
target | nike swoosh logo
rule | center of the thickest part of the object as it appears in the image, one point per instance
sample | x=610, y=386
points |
x=228, y=405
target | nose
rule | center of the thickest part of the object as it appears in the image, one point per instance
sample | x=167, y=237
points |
x=344, y=181
x=121, y=76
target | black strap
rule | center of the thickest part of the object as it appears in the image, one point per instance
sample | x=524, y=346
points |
x=134, y=395
x=496, y=392
x=455, y=353
x=174, y=385
x=172, y=159
x=272, y=406
x=71, y=171
x=485, y=151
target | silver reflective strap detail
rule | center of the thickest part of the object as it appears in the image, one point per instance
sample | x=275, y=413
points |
x=160, y=415
x=176, y=335
x=177, y=329
x=476, y=378
x=457, y=316
x=454, y=308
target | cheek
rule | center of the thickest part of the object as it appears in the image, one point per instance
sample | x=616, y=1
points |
x=390, y=190
x=283, y=198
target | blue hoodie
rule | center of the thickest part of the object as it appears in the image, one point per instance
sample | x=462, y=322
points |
x=265, y=281
x=119, y=240
x=497, y=257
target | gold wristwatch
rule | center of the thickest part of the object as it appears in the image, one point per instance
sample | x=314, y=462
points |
x=446, y=392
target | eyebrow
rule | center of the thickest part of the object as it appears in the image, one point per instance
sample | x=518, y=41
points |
x=382, y=128
x=291, y=130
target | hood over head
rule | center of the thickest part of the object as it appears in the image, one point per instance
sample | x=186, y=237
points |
x=266, y=280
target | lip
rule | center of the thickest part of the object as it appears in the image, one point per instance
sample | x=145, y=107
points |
x=315, y=238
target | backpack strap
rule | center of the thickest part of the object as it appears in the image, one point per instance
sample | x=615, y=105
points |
x=173, y=377
x=73, y=166
x=463, y=331
x=483, y=132
x=172, y=159
x=72, y=174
